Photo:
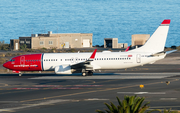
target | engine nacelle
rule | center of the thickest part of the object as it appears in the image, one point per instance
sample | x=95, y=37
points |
x=63, y=69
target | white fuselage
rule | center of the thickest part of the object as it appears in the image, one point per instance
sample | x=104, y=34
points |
x=103, y=60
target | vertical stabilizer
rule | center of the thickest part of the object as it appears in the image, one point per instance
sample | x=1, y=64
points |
x=156, y=42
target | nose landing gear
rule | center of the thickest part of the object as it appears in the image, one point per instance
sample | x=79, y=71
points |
x=20, y=74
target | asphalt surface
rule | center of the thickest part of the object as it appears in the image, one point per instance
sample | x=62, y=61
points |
x=36, y=93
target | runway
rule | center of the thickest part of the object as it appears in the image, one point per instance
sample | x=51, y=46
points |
x=67, y=94
x=112, y=76
x=159, y=83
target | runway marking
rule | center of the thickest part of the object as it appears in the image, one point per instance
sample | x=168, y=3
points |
x=141, y=93
x=114, y=76
x=94, y=99
x=68, y=85
x=14, y=92
x=159, y=107
x=88, y=85
x=106, y=81
x=4, y=84
x=165, y=107
x=108, y=89
x=9, y=101
x=168, y=98
x=49, y=102
x=25, y=88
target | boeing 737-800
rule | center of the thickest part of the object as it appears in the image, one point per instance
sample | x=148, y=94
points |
x=86, y=63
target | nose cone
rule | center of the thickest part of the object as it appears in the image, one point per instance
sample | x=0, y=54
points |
x=5, y=65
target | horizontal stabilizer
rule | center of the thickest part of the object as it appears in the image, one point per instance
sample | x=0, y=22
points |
x=158, y=54
x=168, y=52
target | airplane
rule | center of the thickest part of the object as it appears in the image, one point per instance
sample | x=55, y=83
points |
x=86, y=63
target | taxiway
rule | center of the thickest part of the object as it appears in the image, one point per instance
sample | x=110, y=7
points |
x=34, y=93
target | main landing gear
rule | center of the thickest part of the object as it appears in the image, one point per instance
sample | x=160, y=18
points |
x=87, y=73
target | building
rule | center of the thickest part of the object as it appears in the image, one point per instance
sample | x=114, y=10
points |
x=14, y=44
x=113, y=43
x=139, y=39
x=58, y=41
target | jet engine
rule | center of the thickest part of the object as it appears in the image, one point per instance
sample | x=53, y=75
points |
x=63, y=69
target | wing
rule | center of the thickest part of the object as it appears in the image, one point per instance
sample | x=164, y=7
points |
x=86, y=63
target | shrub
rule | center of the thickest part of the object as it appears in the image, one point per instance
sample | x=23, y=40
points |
x=130, y=104
x=8, y=54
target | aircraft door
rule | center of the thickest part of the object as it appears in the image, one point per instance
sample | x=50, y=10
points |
x=138, y=58
x=22, y=60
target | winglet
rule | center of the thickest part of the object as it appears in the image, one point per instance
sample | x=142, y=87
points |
x=127, y=49
x=93, y=54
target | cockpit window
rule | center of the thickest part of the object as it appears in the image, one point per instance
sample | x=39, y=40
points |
x=12, y=60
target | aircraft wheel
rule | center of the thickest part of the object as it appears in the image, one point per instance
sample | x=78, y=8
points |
x=84, y=74
x=90, y=73
x=20, y=74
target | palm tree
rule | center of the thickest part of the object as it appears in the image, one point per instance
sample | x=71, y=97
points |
x=130, y=104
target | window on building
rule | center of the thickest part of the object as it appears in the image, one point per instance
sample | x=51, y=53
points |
x=22, y=42
x=27, y=42
x=50, y=42
x=41, y=42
